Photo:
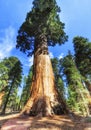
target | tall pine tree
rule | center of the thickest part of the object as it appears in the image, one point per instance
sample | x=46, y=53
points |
x=82, y=48
x=3, y=80
x=58, y=76
x=26, y=88
x=77, y=93
x=14, y=78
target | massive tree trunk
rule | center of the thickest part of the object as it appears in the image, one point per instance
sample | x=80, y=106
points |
x=44, y=99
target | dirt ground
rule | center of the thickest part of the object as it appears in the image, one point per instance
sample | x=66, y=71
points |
x=63, y=122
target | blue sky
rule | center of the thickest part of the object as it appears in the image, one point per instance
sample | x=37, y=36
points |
x=76, y=14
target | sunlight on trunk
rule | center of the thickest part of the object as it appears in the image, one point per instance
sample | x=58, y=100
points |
x=44, y=96
x=1, y=97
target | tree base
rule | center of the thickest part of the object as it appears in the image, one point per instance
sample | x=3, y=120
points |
x=45, y=99
x=42, y=107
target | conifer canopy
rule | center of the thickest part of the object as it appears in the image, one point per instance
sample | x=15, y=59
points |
x=43, y=19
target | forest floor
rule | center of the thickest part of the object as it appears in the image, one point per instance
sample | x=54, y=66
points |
x=63, y=122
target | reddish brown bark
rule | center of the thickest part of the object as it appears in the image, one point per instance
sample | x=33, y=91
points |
x=1, y=97
x=44, y=99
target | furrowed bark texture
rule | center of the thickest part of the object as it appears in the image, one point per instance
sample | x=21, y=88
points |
x=44, y=99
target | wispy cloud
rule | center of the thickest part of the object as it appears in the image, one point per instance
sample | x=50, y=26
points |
x=61, y=56
x=30, y=60
x=6, y=42
x=51, y=55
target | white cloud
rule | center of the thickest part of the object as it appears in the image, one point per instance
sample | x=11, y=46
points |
x=7, y=42
x=51, y=55
x=30, y=60
x=61, y=56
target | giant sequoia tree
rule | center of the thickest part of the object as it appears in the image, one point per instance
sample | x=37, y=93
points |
x=42, y=28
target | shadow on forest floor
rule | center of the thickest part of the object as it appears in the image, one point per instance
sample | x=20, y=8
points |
x=63, y=122
x=5, y=117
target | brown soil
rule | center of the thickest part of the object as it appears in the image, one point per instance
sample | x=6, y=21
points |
x=63, y=122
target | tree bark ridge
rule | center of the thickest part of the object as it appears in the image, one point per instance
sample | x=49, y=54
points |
x=44, y=99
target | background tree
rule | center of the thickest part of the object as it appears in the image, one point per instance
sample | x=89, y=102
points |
x=42, y=28
x=3, y=76
x=77, y=93
x=13, y=101
x=14, y=78
x=26, y=88
x=3, y=80
x=82, y=48
x=58, y=76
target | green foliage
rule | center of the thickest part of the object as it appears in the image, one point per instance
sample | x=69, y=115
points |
x=11, y=74
x=82, y=49
x=10, y=68
x=58, y=78
x=42, y=19
x=26, y=88
x=3, y=76
x=77, y=93
x=13, y=101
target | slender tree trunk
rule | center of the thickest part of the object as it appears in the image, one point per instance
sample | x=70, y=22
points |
x=6, y=101
x=1, y=97
x=19, y=106
x=7, y=98
x=44, y=99
x=2, y=93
